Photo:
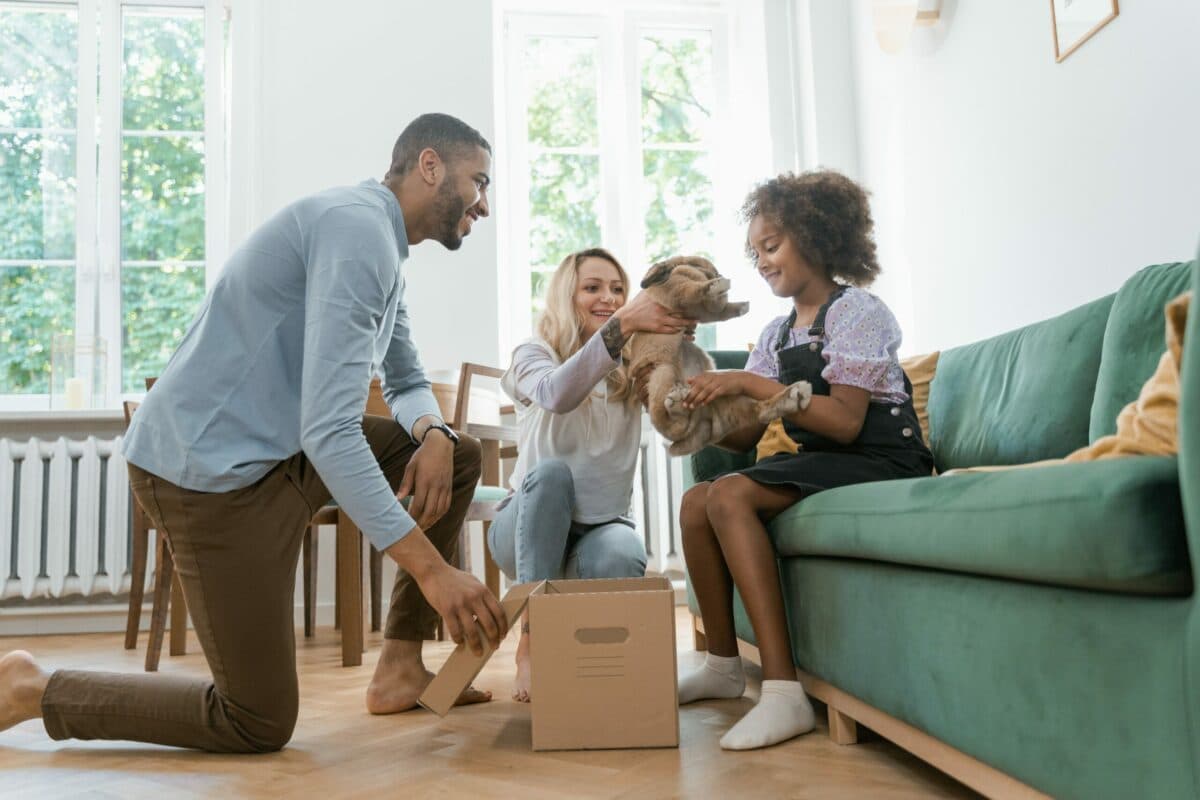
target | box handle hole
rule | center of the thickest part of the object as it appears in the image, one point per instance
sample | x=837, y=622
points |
x=601, y=635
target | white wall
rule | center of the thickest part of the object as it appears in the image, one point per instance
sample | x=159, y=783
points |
x=321, y=90
x=1008, y=188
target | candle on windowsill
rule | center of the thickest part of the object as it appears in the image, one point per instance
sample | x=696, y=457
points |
x=74, y=393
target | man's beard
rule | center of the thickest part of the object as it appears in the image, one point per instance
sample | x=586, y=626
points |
x=448, y=209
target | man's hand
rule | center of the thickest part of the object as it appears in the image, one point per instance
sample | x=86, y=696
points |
x=460, y=599
x=429, y=478
x=708, y=386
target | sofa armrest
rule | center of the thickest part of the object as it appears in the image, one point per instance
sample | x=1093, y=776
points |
x=1189, y=422
x=712, y=462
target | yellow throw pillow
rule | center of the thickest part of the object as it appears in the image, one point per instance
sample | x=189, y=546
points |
x=920, y=371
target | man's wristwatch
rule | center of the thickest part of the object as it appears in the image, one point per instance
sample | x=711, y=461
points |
x=444, y=428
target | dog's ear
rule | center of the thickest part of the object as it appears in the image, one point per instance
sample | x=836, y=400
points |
x=658, y=273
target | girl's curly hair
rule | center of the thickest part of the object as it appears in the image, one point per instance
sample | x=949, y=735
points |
x=827, y=217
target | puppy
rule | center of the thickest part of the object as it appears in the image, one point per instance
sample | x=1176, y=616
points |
x=692, y=287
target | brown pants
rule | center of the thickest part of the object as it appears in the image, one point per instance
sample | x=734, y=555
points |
x=236, y=553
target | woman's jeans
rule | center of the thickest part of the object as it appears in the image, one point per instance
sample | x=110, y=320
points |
x=534, y=538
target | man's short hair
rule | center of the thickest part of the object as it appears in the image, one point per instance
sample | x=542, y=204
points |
x=449, y=136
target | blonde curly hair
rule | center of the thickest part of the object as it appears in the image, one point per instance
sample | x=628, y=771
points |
x=561, y=324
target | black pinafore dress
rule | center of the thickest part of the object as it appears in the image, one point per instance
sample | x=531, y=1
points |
x=888, y=446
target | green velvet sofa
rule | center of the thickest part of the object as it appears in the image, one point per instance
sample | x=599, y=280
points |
x=1028, y=631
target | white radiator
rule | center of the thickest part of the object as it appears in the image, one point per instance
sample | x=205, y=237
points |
x=64, y=518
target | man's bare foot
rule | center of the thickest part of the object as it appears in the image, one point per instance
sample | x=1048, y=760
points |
x=400, y=677
x=22, y=684
x=523, y=683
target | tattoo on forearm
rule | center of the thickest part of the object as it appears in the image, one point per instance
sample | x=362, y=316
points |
x=613, y=340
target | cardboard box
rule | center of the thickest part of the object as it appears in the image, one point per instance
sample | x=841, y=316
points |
x=603, y=663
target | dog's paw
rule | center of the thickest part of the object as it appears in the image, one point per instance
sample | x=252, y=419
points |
x=673, y=400
x=800, y=393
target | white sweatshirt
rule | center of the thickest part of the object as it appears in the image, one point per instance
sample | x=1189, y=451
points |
x=564, y=412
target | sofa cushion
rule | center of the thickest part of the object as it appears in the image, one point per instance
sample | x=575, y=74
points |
x=1023, y=396
x=1133, y=340
x=1113, y=525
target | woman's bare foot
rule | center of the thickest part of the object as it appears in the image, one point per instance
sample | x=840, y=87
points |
x=400, y=677
x=522, y=684
x=22, y=684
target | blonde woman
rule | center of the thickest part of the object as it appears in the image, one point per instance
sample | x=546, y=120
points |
x=579, y=429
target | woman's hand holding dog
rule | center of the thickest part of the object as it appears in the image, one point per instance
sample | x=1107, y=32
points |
x=644, y=314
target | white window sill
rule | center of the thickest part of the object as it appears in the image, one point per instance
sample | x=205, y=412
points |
x=63, y=415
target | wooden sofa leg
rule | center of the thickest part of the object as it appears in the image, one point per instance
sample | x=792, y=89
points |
x=842, y=729
x=699, y=640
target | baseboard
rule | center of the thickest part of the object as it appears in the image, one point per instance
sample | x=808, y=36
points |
x=68, y=619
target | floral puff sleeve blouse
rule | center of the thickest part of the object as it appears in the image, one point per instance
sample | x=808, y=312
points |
x=861, y=340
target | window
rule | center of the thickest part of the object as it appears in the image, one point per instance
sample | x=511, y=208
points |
x=619, y=129
x=111, y=170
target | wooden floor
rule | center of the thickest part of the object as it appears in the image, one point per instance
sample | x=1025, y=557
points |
x=341, y=751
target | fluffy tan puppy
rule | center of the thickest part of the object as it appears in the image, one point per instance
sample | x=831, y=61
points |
x=692, y=287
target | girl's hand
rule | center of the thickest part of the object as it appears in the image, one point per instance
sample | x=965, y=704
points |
x=642, y=313
x=708, y=386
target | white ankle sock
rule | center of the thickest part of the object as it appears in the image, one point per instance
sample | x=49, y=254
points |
x=782, y=712
x=719, y=677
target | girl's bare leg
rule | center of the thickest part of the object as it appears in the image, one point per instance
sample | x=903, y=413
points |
x=721, y=675
x=738, y=509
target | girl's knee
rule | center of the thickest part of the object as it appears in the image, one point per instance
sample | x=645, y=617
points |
x=728, y=496
x=693, y=507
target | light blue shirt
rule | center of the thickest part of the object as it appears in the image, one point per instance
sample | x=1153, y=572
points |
x=280, y=359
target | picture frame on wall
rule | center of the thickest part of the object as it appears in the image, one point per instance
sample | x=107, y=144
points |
x=1075, y=21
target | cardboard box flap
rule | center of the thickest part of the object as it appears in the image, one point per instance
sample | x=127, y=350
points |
x=592, y=585
x=463, y=666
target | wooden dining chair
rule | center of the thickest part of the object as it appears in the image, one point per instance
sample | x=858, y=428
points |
x=498, y=442
x=167, y=593
x=348, y=566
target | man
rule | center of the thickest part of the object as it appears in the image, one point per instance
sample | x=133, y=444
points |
x=256, y=422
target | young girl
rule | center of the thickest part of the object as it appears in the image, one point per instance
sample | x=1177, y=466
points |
x=810, y=238
x=579, y=430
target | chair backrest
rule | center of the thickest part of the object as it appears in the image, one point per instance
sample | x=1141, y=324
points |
x=463, y=397
x=129, y=406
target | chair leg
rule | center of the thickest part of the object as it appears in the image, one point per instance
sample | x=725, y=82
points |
x=491, y=572
x=310, y=580
x=376, y=568
x=179, y=618
x=137, y=576
x=337, y=587
x=350, y=569
x=164, y=574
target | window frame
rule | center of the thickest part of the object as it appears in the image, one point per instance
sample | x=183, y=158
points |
x=618, y=31
x=100, y=42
